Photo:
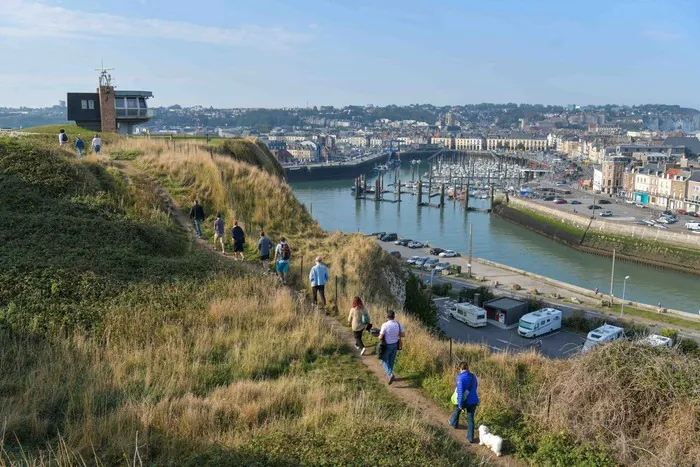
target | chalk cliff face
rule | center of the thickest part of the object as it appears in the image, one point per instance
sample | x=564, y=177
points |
x=642, y=249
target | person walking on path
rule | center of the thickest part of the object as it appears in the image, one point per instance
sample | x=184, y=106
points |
x=282, y=256
x=264, y=247
x=391, y=332
x=358, y=319
x=62, y=137
x=466, y=399
x=596, y=291
x=96, y=143
x=318, y=276
x=238, y=240
x=219, y=229
x=79, y=146
x=197, y=215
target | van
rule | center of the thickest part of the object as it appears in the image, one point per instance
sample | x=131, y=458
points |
x=605, y=333
x=539, y=322
x=469, y=314
x=692, y=225
x=655, y=340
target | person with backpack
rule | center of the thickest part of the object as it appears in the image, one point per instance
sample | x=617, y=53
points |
x=96, y=143
x=358, y=319
x=62, y=137
x=197, y=215
x=219, y=233
x=238, y=240
x=264, y=247
x=79, y=146
x=318, y=276
x=282, y=256
x=390, y=334
x=465, y=398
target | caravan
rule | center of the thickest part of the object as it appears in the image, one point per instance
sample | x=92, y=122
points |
x=539, y=322
x=605, y=333
x=469, y=314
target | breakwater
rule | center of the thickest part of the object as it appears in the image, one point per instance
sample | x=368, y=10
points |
x=638, y=244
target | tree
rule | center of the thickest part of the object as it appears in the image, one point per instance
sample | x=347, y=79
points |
x=520, y=147
x=418, y=302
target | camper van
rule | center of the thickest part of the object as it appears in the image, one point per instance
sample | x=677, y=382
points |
x=469, y=314
x=605, y=333
x=539, y=322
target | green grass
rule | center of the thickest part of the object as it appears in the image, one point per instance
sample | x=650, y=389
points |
x=664, y=318
x=559, y=225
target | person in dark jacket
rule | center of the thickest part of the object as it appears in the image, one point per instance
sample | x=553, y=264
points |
x=467, y=399
x=238, y=240
x=79, y=146
x=197, y=215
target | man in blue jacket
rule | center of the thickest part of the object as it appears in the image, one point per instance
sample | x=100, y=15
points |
x=467, y=399
x=318, y=277
x=79, y=145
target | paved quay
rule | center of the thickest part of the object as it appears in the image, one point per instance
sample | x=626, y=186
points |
x=506, y=277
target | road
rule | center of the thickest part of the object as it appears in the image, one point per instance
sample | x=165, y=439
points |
x=558, y=344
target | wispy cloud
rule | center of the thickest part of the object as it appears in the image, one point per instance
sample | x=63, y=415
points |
x=661, y=35
x=24, y=19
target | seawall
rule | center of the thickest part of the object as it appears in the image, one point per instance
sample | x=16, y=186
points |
x=640, y=244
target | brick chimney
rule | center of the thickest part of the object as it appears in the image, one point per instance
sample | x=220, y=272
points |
x=108, y=113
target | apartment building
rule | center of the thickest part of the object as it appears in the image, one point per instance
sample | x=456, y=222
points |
x=692, y=198
x=612, y=173
x=517, y=141
x=469, y=143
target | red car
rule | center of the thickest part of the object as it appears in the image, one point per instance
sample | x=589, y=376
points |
x=559, y=201
x=683, y=212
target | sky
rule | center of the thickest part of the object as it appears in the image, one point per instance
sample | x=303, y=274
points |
x=268, y=53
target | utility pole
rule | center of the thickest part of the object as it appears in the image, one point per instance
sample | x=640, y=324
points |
x=612, y=280
x=469, y=263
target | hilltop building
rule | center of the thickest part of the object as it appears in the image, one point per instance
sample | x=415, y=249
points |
x=109, y=110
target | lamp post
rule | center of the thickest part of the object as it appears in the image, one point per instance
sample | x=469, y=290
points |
x=624, y=286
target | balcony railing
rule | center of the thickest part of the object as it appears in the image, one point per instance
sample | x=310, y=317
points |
x=135, y=113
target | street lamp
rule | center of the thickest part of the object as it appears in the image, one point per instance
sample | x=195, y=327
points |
x=624, y=286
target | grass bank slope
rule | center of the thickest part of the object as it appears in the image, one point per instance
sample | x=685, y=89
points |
x=120, y=340
x=612, y=405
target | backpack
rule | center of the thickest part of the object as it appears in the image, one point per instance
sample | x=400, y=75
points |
x=64, y=137
x=285, y=252
x=364, y=319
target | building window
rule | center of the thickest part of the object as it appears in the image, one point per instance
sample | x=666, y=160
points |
x=91, y=104
x=84, y=104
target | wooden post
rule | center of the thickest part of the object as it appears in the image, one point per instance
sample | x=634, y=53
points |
x=450, y=351
x=336, y=294
x=466, y=197
x=377, y=190
x=469, y=263
x=398, y=190
x=420, y=192
x=442, y=195
x=364, y=183
x=490, y=197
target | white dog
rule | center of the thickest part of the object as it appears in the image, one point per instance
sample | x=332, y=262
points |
x=492, y=442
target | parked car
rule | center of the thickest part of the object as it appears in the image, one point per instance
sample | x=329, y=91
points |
x=420, y=261
x=448, y=254
x=594, y=206
x=436, y=251
x=640, y=205
x=575, y=202
x=693, y=214
x=548, y=198
x=396, y=254
x=390, y=237
x=606, y=214
x=682, y=212
x=379, y=235
x=403, y=241
x=560, y=201
x=430, y=263
x=415, y=244
x=443, y=266
x=668, y=213
x=604, y=201
x=413, y=259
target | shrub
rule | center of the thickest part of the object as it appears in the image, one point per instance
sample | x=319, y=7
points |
x=418, y=303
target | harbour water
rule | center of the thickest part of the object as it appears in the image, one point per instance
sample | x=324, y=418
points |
x=333, y=205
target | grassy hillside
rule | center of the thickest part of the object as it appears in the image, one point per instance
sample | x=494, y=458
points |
x=119, y=339
x=608, y=406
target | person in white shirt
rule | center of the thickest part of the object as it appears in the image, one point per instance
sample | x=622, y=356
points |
x=96, y=144
x=391, y=332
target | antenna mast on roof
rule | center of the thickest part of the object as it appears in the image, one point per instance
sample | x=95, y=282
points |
x=105, y=78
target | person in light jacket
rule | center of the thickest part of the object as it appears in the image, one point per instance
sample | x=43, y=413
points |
x=359, y=320
x=467, y=399
x=392, y=332
x=318, y=276
x=96, y=143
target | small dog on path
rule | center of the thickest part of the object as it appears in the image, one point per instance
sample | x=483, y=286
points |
x=493, y=442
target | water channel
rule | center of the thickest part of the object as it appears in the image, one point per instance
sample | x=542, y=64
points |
x=333, y=205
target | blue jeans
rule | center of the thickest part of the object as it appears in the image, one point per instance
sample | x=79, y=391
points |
x=389, y=357
x=197, y=227
x=454, y=419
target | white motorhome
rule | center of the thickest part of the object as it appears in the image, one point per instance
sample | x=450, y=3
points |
x=605, y=333
x=539, y=322
x=692, y=225
x=469, y=314
x=655, y=340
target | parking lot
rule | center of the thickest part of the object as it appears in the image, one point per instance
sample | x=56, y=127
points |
x=558, y=344
x=623, y=212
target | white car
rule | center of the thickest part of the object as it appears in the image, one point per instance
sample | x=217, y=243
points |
x=413, y=259
x=443, y=266
x=640, y=205
x=415, y=245
x=606, y=214
x=448, y=254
